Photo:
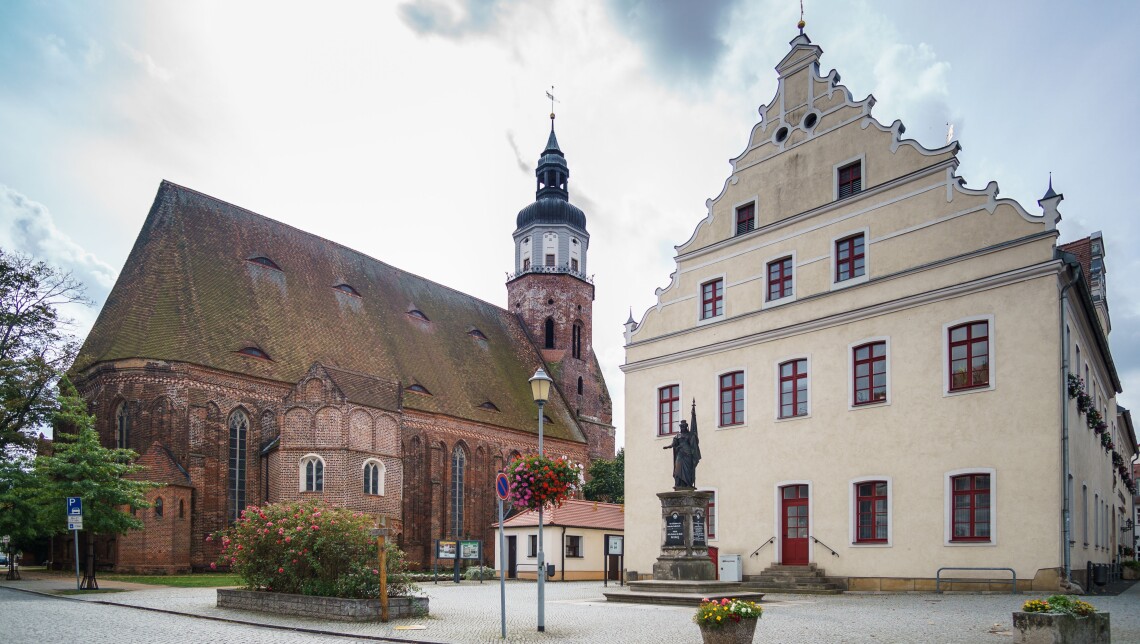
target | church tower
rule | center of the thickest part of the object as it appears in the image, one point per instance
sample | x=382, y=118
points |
x=551, y=294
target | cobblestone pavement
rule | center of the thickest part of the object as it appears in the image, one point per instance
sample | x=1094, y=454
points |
x=575, y=612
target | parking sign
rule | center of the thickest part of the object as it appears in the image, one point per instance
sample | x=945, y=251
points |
x=74, y=506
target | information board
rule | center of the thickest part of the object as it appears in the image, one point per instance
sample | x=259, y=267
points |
x=470, y=550
x=699, y=529
x=675, y=529
x=446, y=549
x=615, y=544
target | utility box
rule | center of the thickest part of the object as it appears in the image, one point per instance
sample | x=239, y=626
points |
x=730, y=567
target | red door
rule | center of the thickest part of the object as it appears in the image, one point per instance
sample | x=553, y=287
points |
x=794, y=520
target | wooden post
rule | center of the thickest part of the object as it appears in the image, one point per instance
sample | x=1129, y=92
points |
x=383, y=568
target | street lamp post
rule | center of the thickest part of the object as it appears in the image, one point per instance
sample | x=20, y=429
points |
x=540, y=390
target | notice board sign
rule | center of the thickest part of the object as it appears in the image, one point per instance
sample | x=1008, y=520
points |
x=675, y=529
x=446, y=549
x=471, y=550
x=615, y=544
x=699, y=529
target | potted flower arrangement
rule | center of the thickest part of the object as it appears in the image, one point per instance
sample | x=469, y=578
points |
x=537, y=481
x=1060, y=618
x=728, y=621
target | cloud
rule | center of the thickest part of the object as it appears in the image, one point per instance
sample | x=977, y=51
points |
x=153, y=69
x=911, y=81
x=525, y=167
x=28, y=227
x=681, y=38
x=454, y=18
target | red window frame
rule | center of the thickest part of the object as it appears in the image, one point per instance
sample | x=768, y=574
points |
x=793, y=388
x=710, y=518
x=850, y=180
x=969, y=346
x=970, y=509
x=869, y=363
x=732, y=399
x=850, y=258
x=668, y=410
x=745, y=218
x=712, y=299
x=780, y=278
x=871, y=514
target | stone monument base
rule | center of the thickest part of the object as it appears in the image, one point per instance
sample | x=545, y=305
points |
x=684, y=549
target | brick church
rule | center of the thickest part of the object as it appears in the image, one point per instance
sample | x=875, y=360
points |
x=250, y=362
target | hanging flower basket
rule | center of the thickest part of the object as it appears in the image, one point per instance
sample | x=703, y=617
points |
x=1084, y=402
x=1093, y=419
x=1076, y=385
x=537, y=481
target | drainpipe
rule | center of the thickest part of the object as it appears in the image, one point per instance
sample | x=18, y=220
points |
x=1066, y=512
x=563, y=553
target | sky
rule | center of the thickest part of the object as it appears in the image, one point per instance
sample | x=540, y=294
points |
x=409, y=130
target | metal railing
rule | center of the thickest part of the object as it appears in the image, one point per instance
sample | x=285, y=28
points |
x=757, y=551
x=552, y=269
x=973, y=580
x=825, y=546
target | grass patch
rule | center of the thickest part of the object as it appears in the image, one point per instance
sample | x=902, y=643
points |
x=75, y=591
x=203, y=580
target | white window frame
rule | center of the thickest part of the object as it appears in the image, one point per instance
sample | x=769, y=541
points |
x=866, y=232
x=854, y=514
x=581, y=546
x=657, y=408
x=948, y=508
x=381, y=475
x=778, y=528
x=989, y=319
x=549, y=245
x=862, y=159
x=776, y=375
x=765, y=303
x=532, y=546
x=744, y=422
x=301, y=472
x=851, y=406
x=724, y=299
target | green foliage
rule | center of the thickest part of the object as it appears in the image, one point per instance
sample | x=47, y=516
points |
x=35, y=346
x=607, y=480
x=1064, y=604
x=197, y=580
x=310, y=549
x=1135, y=565
x=475, y=573
x=20, y=517
x=80, y=466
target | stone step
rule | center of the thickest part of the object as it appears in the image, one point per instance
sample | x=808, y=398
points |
x=815, y=583
x=678, y=599
x=705, y=588
x=793, y=590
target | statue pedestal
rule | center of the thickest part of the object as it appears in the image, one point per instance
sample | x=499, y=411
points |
x=684, y=546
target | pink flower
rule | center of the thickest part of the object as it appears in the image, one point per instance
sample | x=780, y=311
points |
x=280, y=570
x=288, y=539
x=280, y=530
x=213, y=565
x=375, y=571
x=294, y=561
x=316, y=527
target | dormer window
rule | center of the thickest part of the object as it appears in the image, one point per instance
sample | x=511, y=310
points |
x=254, y=352
x=416, y=313
x=490, y=406
x=419, y=389
x=477, y=334
x=345, y=288
x=266, y=262
x=546, y=419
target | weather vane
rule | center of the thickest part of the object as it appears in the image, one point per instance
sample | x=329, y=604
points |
x=801, y=24
x=553, y=100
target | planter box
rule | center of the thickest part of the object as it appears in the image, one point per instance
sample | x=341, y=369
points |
x=740, y=632
x=334, y=608
x=1131, y=573
x=1049, y=628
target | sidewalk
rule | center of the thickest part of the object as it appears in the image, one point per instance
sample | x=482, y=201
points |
x=577, y=612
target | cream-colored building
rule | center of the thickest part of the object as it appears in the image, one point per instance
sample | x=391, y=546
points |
x=879, y=358
x=574, y=541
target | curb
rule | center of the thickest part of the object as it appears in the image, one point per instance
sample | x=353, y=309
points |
x=294, y=629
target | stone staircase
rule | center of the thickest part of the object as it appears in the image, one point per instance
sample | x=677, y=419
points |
x=803, y=580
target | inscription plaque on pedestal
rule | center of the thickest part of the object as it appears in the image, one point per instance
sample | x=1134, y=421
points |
x=699, y=530
x=675, y=529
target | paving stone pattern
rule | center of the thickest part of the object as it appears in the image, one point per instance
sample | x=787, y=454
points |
x=575, y=612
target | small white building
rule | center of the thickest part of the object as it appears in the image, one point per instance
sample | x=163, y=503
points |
x=574, y=540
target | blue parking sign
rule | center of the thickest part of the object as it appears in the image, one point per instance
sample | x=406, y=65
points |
x=74, y=506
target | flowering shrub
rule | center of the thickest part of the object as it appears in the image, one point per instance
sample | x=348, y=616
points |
x=1076, y=385
x=1059, y=604
x=537, y=481
x=714, y=614
x=1092, y=419
x=309, y=549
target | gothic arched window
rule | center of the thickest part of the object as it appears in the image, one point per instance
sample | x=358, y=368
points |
x=549, y=333
x=121, y=426
x=458, y=465
x=373, y=477
x=239, y=429
x=580, y=385
x=576, y=341
x=312, y=473
x=158, y=508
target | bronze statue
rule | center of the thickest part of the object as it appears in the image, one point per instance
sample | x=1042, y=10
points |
x=686, y=448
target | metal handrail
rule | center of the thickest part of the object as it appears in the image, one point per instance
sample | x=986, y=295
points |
x=551, y=269
x=967, y=580
x=825, y=546
x=757, y=551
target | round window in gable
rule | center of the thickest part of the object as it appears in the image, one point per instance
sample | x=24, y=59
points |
x=810, y=120
x=254, y=352
x=781, y=134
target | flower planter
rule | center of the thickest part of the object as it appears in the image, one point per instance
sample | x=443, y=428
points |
x=1131, y=573
x=333, y=608
x=730, y=633
x=1054, y=628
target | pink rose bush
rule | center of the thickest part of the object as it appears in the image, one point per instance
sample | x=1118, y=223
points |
x=312, y=550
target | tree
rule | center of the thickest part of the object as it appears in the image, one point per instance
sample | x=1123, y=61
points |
x=80, y=466
x=35, y=346
x=20, y=518
x=607, y=480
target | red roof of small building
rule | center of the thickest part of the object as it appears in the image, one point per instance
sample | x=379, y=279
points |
x=1082, y=249
x=574, y=514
